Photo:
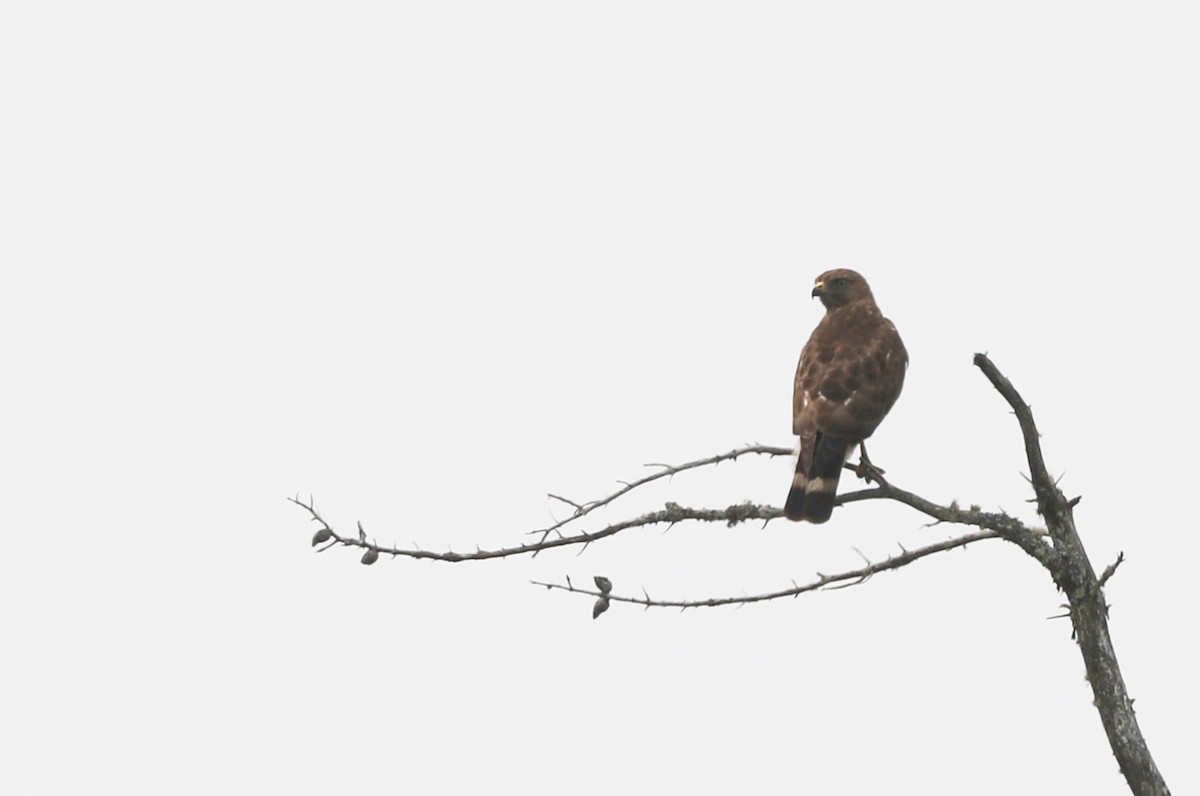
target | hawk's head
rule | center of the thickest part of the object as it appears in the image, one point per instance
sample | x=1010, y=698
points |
x=840, y=287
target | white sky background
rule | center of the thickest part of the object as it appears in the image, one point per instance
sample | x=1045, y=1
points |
x=430, y=261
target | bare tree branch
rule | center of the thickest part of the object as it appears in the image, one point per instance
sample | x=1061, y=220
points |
x=582, y=509
x=1008, y=527
x=670, y=514
x=851, y=577
x=1050, y=501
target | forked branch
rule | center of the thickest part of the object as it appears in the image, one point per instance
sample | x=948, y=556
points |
x=1073, y=573
x=1058, y=548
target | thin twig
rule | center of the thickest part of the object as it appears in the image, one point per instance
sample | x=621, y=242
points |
x=1110, y=570
x=583, y=509
x=851, y=577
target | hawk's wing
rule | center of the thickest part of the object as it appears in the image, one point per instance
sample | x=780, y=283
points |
x=850, y=375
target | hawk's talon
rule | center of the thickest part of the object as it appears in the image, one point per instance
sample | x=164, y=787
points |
x=865, y=469
x=869, y=472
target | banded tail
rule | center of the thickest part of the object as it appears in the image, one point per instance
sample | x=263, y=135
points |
x=813, y=491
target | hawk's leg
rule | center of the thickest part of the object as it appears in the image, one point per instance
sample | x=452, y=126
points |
x=865, y=469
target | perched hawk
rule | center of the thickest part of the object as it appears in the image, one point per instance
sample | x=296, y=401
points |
x=850, y=374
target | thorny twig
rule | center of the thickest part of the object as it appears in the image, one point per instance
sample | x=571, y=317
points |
x=851, y=577
x=670, y=514
x=666, y=471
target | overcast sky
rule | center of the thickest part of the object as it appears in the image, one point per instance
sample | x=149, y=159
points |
x=428, y=262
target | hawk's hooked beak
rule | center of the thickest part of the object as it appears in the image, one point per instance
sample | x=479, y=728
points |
x=818, y=290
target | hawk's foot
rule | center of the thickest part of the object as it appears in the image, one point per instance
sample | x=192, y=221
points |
x=865, y=469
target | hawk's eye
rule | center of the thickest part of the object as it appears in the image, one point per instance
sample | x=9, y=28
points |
x=839, y=282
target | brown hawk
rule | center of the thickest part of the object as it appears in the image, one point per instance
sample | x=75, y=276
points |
x=850, y=373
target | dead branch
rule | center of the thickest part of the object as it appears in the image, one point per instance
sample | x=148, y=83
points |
x=1058, y=549
x=670, y=514
x=1072, y=571
x=1002, y=524
x=666, y=471
x=839, y=580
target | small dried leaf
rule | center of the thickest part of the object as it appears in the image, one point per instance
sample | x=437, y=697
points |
x=362, y=535
x=322, y=536
x=600, y=607
x=603, y=584
x=370, y=557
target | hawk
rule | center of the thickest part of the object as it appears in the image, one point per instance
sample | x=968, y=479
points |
x=850, y=373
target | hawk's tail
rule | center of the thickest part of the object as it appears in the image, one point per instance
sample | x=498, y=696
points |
x=812, y=494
